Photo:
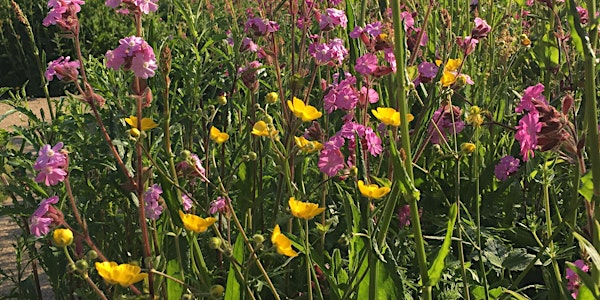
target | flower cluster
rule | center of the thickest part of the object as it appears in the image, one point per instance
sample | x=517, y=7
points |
x=63, y=13
x=452, y=77
x=153, y=207
x=63, y=69
x=543, y=125
x=332, y=53
x=135, y=6
x=260, y=27
x=573, y=278
x=52, y=164
x=133, y=53
x=332, y=18
x=45, y=216
x=506, y=167
x=220, y=205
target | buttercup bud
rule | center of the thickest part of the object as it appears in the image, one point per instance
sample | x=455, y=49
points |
x=92, y=255
x=82, y=265
x=272, y=97
x=216, y=291
x=252, y=155
x=215, y=243
x=222, y=100
x=62, y=237
x=258, y=238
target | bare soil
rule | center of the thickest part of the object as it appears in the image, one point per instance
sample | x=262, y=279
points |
x=10, y=231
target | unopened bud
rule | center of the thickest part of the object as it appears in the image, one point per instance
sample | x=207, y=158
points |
x=222, y=100
x=82, y=265
x=71, y=268
x=252, y=155
x=134, y=133
x=216, y=291
x=258, y=238
x=272, y=97
x=215, y=243
x=92, y=255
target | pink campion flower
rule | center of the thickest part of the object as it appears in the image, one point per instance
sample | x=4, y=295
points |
x=373, y=142
x=481, y=29
x=374, y=29
x=332, y=18
x=133, y=53
x=153, y=208
x=248, y=44
x=63, y=13
x=526, y=134
x=574, y=282
x=467, y=44
x=127, y=6
x=220, y=205
x=388, y=55
x=506, y=167
x=427, y=72
x=447, y=120
x=260, y=27
x=583, y=15
x=331, y=161
x=62, y=68
x=338, y=52
x=531, y=93
x=187, y=202
x=366, y=64
x=367, y=96
x=356, y=32
x=44, y=217
x=51, y=164
x=249, y=74
x=193, y=167
x=320, y=52
x=146, y=6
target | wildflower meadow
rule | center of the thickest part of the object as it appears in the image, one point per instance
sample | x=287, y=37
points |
x=302, y=149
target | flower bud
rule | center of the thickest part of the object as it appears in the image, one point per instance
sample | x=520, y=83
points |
x=71, y=268
x=252, y=155
x=82, y=265
x=222, y=100
x=258, y=238
x=62, y=237
x=216, y=291
x=134, y=133
x=467, y=148
x=215, y=243
x=92, y=255
x=272, y=97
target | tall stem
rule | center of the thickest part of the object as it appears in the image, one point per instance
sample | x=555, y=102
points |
x=400, y=53
x=478, y=211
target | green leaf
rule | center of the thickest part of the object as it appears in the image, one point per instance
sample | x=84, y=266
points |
x=589, y=249
x=584, y=293
x=174, y=289
x=386, y=285
x=575, y=24
x=233, y=289
x=516, y=295
x=435, y=271
x=517, y=260
x=547, y=51
x=587, y=186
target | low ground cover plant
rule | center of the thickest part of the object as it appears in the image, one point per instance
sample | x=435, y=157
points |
x=312, y=149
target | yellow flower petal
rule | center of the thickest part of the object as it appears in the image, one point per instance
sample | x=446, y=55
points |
x=196, y=224
x=123, y=274
x=304, y=210
x=62, y=237
x=282, y=243
x=307, y=146
x=305, y=112
x=147, y=123
x=260, y=129
x=217, y=136
x=372, y=191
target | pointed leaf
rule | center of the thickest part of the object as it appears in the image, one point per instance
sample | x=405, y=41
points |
x=435, y=271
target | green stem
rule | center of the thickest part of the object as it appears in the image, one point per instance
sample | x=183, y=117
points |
x=478, y=211
x=591, y=120
x=461, y=252
x=400, y=53
x=308, y=264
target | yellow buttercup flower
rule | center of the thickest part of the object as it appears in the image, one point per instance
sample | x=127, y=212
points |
x=195, y=223
x=261, y=128
x=372, y=191
x=147, y=123
x=62, y=237
x=304, y=210
x=124, y=274
x=307, y=146
x=467, y=148
x=218, y=136
x=474, y=117
x=448, y=78
x=272, y=97
x=390, y=116
x=282, y=243
x=305, y=112
x=452, y=65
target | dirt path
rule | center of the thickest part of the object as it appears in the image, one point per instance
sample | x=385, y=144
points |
x=10, y=231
